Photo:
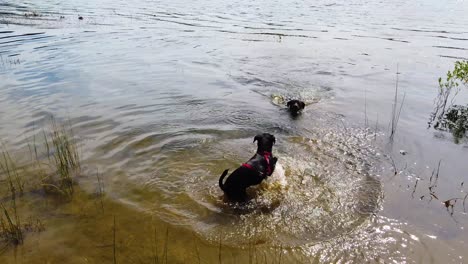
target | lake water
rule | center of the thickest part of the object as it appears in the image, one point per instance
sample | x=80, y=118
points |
x=165, y=95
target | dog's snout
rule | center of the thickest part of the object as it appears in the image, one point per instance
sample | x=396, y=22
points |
x=294, y=108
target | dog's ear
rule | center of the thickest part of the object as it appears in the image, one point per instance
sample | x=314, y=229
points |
x=258, y=137
x=289, y=103
x=302, y=104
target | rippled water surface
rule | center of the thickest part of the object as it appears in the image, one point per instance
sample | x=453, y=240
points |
x=165, y=95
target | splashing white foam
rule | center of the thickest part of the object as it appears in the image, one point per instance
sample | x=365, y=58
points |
x=278, y=175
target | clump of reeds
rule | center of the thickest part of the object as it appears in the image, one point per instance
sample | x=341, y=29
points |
x=12, y=229
x=10, y=170
x=10, y=225
x=58, y=165
x=64, y=160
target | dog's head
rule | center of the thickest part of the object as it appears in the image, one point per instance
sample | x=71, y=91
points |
x=295, y=106
x=265, y=142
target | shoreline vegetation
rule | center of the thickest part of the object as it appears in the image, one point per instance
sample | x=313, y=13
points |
x=448, y=116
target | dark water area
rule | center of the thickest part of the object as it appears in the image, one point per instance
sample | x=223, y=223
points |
x=165, y=95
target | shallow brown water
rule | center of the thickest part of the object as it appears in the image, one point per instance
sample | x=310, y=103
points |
x=165, y=95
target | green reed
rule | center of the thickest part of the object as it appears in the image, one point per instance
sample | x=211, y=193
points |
x=10, y=225
x=64, y=160
x=8, y=167
x=395, y=110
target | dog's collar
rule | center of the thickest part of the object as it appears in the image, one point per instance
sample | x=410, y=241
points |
x=266, y=156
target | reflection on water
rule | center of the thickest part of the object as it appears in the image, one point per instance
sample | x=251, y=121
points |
x=165, y=95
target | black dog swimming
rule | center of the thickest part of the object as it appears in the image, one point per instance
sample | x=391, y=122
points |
x=295, y=107
x=253, y=172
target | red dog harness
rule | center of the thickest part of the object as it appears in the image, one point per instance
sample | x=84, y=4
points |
x=266, y=156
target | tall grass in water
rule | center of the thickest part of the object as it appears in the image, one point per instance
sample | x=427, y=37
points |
x=8, y=167
x=10, y=225
x=11, y=228
x=396, y=113
x=113, y=244
x=57, y=167
x=100, y=192
x=64, y=160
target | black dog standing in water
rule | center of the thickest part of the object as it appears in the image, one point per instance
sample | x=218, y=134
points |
x=295, y=107
x=253, y=172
